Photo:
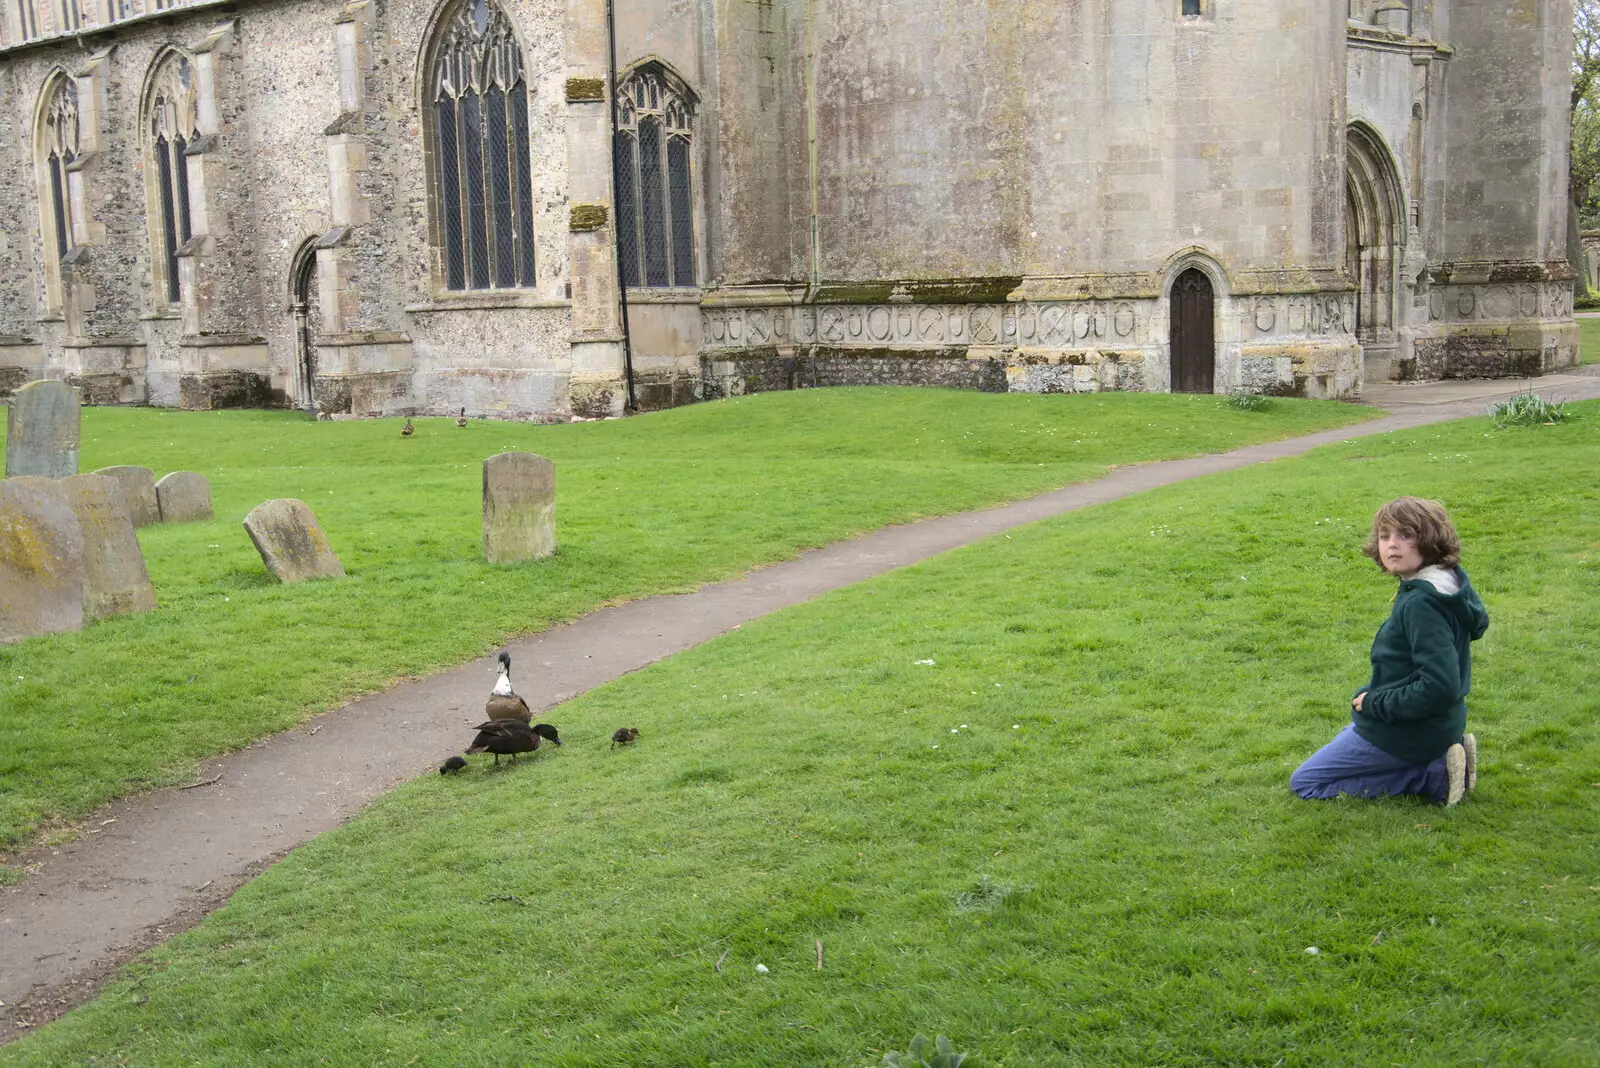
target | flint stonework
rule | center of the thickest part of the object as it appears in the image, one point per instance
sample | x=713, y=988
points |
x=183, y=496
x=41, y=561
x=519, y=507
x=290, y=542
x=42, y=430
x=138, y=488
x=115, y=581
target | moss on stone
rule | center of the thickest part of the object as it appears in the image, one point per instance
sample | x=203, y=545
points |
x=586, y=90
x=587, y=217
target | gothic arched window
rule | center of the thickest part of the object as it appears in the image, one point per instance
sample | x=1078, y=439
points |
x=172, y=131
x=655, y=197
x=60, y=149
x=481, y=157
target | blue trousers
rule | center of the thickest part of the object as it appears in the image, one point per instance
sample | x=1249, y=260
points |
x=1352, y=765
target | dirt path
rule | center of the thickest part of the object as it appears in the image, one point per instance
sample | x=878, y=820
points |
x=151, y=866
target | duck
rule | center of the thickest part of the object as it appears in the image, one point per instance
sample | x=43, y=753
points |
x=623, y=736
x=452, y=765
x=461, y=420
x=503, y=701
x=407, y=430
x=510, y=737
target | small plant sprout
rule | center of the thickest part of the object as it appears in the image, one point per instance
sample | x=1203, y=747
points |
x=1246, y=400
x=944, y=1054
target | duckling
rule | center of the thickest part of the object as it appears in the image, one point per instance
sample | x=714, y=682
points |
x=510, y=737
x=503, y=701
x=623, y=736
x=452, y=765
x=461, y=420
x=407, y=430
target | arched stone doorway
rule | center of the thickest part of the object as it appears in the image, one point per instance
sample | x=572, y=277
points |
x=1193, y=333
x=304, y=308
x=1374, y=233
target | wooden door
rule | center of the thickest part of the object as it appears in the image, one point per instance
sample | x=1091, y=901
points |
x=1194, y=350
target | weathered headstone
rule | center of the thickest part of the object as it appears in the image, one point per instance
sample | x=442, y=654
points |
x=115, y=581
x=42, y=430
x=138, y=488
x=291, y=544
x=519, y=507
x=41, y=561
x=183, y=496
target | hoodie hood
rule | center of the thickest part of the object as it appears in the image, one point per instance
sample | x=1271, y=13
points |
x=1463, y=604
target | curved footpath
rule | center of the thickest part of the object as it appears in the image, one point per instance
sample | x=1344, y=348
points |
x=153, y=865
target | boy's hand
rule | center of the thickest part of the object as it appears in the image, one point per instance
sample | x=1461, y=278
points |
x=1356, y=704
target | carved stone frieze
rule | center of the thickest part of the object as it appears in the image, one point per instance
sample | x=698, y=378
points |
x=1499, y=301
x=1025, y=324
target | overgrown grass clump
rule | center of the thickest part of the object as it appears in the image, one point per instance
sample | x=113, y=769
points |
x=1528, y=409
x=660, y=503
x=1114, y=702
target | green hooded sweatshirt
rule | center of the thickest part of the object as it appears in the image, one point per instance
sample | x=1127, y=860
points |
x=1422, y=670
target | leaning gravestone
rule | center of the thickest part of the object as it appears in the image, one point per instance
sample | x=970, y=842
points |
x=115, y=581
x=519, y=507
x=291, y=544
x=42, y=430
x=138, y=488
x=41, y=561
x=183, y=496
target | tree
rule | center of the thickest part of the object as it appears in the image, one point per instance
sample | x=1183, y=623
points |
x=1583, y=166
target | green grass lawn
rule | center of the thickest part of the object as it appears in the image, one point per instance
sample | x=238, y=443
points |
x=1031, y=794
x=648, y=505
x=1588, y=341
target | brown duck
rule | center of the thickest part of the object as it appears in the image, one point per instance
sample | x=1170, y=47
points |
x=624, y=735
x=503, y=701
x=511, y=736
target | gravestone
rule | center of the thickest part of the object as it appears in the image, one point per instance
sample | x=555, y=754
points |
x=115, y=581
x=41, y=560
x=291, y=544
x=519, y=507
x=42, y=430
x=138, y=488
x=183, y=496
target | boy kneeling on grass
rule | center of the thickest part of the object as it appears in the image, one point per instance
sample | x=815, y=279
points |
x=1407, y=734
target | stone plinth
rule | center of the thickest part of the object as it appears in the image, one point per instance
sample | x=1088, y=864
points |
x=138, y=488
x=291, y=544
x=519, y=507
x=42, y=430
x=183, y=496
x=115, y=581
x=41, y=561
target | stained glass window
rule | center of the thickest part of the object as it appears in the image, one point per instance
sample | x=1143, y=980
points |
x=481, y=153
x=654, y=184
x=172, y=131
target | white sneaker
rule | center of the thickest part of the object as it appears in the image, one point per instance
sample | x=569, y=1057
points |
x=1455, y=765
x=1470, y=744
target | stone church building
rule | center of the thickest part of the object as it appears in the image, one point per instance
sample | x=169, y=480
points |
x=534, y=209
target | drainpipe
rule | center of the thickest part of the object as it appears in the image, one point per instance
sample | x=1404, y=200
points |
x=811, y=149
x=622, y=289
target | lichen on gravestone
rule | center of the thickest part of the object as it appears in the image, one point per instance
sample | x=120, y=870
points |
x=115, y=580
x=41, y=560
x=519, y=507
x=42, y=426
x=292, y=545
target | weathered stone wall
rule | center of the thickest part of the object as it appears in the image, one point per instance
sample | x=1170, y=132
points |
x=997, y=195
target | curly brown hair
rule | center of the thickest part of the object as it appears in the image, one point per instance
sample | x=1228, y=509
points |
x=1426, y=522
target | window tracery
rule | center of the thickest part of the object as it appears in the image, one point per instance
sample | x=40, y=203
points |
x=654, y=188
x=172, y=130
x=61, y=149
x=481, y=152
